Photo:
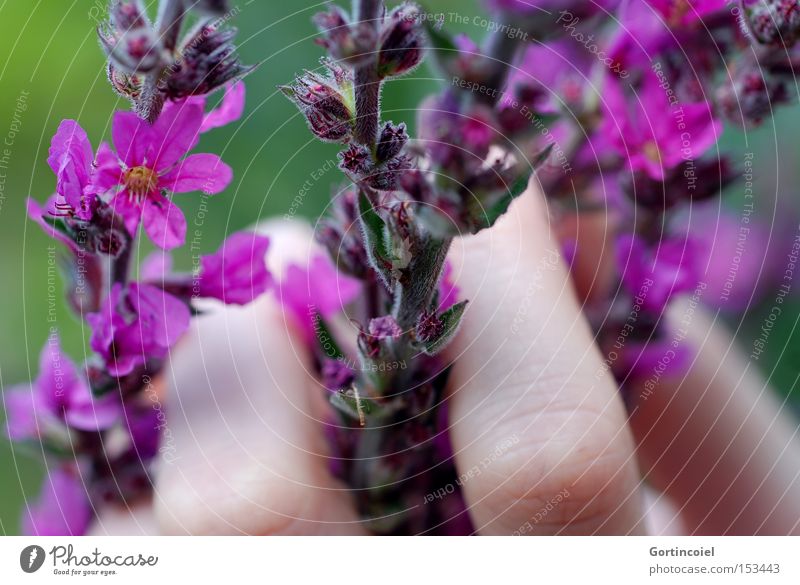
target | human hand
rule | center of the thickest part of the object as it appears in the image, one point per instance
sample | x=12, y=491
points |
x=245, y=451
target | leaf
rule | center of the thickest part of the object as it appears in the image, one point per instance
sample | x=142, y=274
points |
x=325, y=339
x=374, y=231
x=451, y=320
x=501, y=206
x=351, y=403
x=57, y=224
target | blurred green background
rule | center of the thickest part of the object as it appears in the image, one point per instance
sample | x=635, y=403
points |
x=49, y=55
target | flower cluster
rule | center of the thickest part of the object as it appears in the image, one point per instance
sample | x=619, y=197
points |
x=389, y=231
x=150, y=62
x=639, y=93
x=96, y=422
x=621, y=104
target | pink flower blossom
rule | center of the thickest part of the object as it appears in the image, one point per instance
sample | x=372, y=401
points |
x=62, y=509
x=654, y=274
x=317, y=290
x=136, y=324
x=58, y=396
x=70, y=158
x=654, y=131
x=150, y=160
x=229, y=109
x=237, y=273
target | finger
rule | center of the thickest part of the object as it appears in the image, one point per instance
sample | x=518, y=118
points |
x=243, y=451
x=718, y=441
x=527, y=370
x=138, y=520
x=588, y=236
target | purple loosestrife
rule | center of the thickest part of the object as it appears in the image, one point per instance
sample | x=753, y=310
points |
x=654, y=132
x=136, y=324
x=640, y=94
x=62, y=509
x=391, y=229
x=96, y=423
x=59, y=398
x=236, y=273
x=150, y=160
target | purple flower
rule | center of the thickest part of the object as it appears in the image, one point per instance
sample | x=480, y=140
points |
x=684, y=12
x=59, y=395
x=654, y=131
x=62, y=509
x=237, y=273
x=143, y=423
x=135, y=325
x=229, y=110
x=655, y=359
x=149, y=160
x=384, y=327
x=653, y=275
x=70, y=157
x=336, y=375
x=317, y=290
x=726, y=246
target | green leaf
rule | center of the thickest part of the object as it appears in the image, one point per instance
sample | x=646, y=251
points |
x=351, y=403
x=451, y=319
x=501, y=206
x=325, y=340
x=374, y=231
x=57, y=224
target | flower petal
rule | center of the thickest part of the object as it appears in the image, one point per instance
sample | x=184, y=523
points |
x=62, y=509
x=198, y=172
x=70, y=157
x=175, y=133
x=163, y=318
x=228, y=111
x=108, y=172
x=21, y=406
x=128, y=209
x=164, y=222
x=133, y=138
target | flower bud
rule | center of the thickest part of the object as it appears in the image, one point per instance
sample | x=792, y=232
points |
x=136, y=49
x=208, y=61
x=429, y=327
x=211, y=7
x=126, y=85
x=751, y=96
x=326, y=102
x=775, y=22
x=374, y=343
x=353, y=44
x=341, y=235
x=401, y=41
x=391, y=141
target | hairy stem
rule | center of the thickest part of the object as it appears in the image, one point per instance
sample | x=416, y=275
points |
x=367, y=82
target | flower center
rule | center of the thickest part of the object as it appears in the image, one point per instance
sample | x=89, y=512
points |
x=679, y=9
x=652, y=152
x=141, y=181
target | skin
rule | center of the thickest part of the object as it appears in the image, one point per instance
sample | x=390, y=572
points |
x=710, y=453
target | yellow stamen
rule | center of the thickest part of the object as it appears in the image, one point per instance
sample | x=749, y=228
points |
x=140, y=181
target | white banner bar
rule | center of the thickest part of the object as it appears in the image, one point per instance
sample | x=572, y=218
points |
x=388, y=561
